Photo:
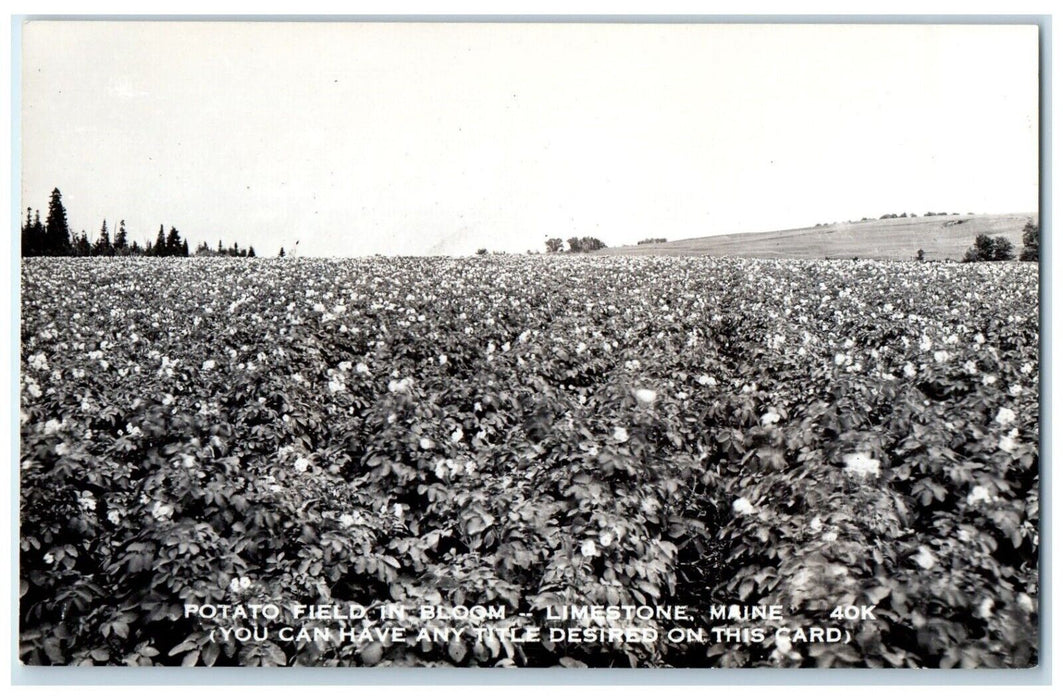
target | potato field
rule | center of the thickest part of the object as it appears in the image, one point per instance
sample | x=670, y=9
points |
x=528, y=434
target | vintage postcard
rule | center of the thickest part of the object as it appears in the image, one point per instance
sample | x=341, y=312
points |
x=616, y=344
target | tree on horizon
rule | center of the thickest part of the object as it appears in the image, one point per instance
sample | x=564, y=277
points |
x=1031, y=241
x=160, y=242
x=103, y=243
x=54, y=238
x=121, y=239
x=32, y=233
x=56, y=229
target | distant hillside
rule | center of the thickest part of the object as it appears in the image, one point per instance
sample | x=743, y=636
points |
x=940, y=237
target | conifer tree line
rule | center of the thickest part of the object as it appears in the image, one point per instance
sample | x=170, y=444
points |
x=54, y=238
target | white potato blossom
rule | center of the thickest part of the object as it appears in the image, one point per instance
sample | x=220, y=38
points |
x=620, y=434
x=52, y=426
x=924, y=558
x=742, y=506
x=646, y=396
x=210, y=364
x=457, y=435
x=39, y=362
x=239, y=584
x=588, y=548
x=909, y=370
x=941, y=356
x=706, y=380
x=161, y=511
x=87, y=501
x=770, y=418
x=400, y=386
x=426, y=443
x=861, y=464
x=978, y=494
x=1005, y=416
x=301, y=464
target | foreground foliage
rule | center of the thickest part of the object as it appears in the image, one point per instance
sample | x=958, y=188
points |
x=529, y=432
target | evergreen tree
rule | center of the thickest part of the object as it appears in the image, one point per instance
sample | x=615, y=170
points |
x=37, y=232
x=56, y=229
x=103, y=243
x=281, y=254
x=121, y=239
x=173, y=242
x=28, y=242
x=251, y=252
x=81, y=245
x=160, y=243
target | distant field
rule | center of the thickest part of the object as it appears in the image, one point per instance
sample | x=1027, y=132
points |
x=941, y=237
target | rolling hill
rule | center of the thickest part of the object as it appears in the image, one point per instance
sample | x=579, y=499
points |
x=940, y=237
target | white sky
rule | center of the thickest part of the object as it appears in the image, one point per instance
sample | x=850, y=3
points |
x=442, y=138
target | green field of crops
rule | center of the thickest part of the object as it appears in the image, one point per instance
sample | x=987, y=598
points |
x=522, y=435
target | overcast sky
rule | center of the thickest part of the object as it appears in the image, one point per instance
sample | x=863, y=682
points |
x=357, y=139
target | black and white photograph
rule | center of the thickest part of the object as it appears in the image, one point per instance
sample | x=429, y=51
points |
x=570, y=344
